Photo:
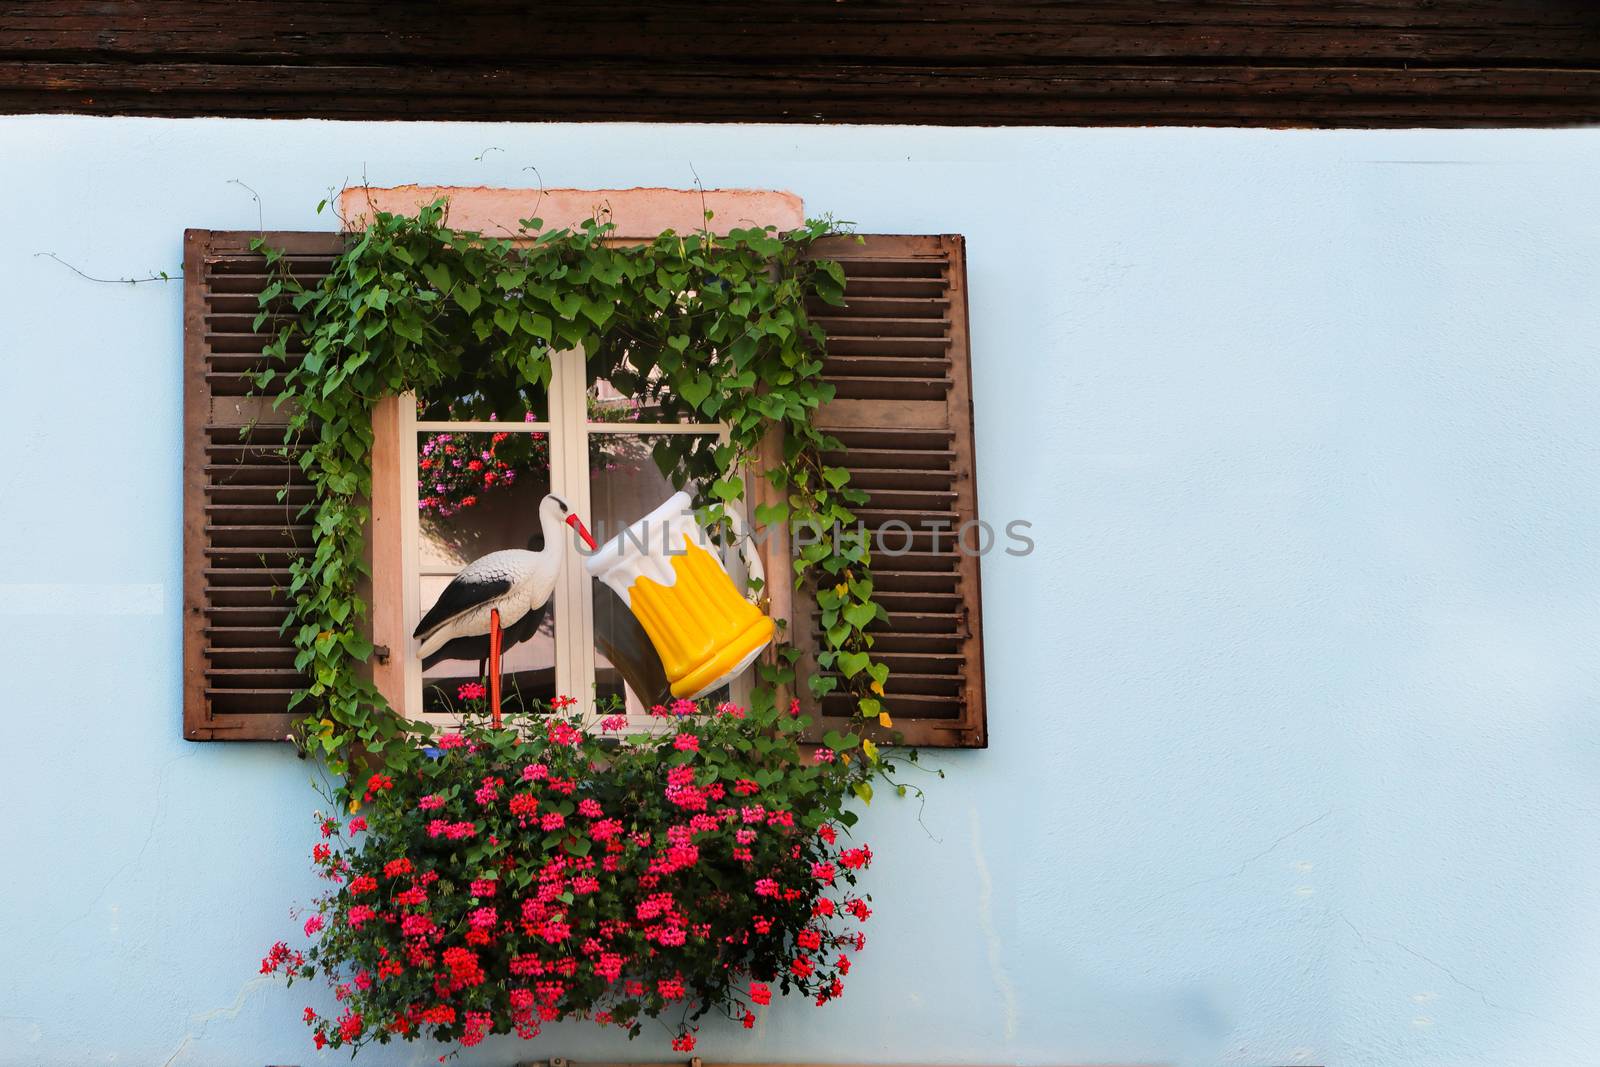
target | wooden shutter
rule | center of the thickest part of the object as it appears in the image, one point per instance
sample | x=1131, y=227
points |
x=238, y=537
x=899, y=357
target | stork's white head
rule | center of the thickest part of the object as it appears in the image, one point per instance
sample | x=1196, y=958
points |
x=553, y=511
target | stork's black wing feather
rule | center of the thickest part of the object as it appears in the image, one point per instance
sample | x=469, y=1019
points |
x=460, y=595
x=477, y=647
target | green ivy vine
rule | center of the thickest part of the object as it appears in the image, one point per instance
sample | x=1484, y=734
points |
x=412, y=305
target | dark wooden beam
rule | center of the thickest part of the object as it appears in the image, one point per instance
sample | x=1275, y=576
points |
x=1199, y=62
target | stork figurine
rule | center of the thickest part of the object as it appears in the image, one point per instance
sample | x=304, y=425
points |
x=498, y=597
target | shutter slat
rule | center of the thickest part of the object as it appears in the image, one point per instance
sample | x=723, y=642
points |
x=248, y=616
x=865, y=287
x=260, y=496
x=898, y=359
x=220, y=303
x=250, y=555
x=915, y=561
x=922, y=519
x=250, y=447
x=224, y=515
x=263, y=656
x=248, y=359
x=887, y=346
x=901, y=491
x=250, y=708
x=883, y=366
x=869, y=266
x=915, y=644
x=245, y=341
x=930, y=303
x=269, y=472
x=233, y=578
x=849, y=387
x=931, y=326
x=264, y=596
x=881, y=479
x=241, y=262
x=239, y=536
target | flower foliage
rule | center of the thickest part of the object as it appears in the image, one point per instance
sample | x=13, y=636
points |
x=549, y=871
x=699, y=323
x=455, y=471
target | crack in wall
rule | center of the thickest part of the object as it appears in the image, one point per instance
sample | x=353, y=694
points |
x=149, y=835
x=199, y=1023
x=1243, y=864
x=1002, y=980
x=1450, y=974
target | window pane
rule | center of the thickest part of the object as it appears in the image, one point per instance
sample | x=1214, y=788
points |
x=625, y=484
x=624, y=395
x=528, y=665
x=478, y=493
x=504, y=401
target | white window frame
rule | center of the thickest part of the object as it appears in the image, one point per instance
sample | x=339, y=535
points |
x=568, y=430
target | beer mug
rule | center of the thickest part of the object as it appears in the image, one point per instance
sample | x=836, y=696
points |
x=705, y=632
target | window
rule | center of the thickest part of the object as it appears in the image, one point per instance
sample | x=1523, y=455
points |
x=470, y=486
x=897, y=355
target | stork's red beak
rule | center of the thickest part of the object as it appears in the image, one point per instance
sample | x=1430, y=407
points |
x=583, y=531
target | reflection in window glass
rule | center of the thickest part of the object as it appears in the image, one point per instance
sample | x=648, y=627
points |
x=478, y=493
x=626, y=395
x=476, y=490
x=528, y=663
x=626, y=487
x=459, y=400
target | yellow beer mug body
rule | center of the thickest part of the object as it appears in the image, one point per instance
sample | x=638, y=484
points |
x=705, y=632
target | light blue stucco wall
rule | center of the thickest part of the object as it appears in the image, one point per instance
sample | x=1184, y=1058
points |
x=1295, y=755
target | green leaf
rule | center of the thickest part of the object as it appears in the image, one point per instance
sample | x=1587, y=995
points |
x=536, y=325
x=772, y=514
x=862, y=790
x=696, y=389
x=357, y=645
x=438, y=275
x=468, y=297
x=853, y=663
x=859, y=615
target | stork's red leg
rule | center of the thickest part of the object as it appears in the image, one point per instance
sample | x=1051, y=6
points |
x=494, y=665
